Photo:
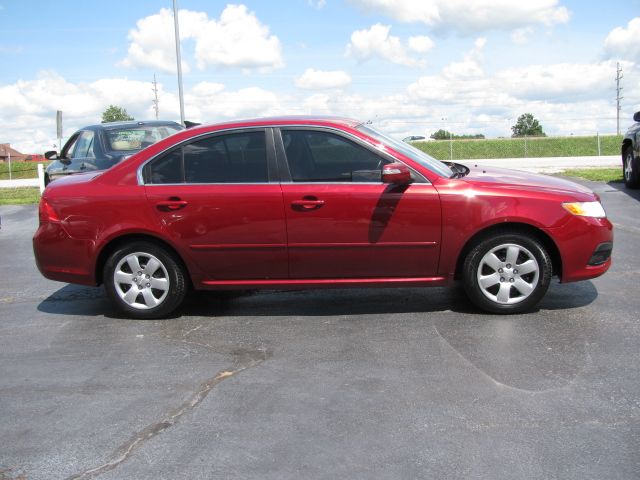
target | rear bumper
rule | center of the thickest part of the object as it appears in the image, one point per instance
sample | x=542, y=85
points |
x=580, y=241
x=62, y=258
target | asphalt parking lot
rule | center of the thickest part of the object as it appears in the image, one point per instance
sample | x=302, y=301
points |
x=322, y=384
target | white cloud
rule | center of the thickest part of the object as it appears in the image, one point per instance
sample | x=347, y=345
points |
x=470, y=66
x=153, y=40
x=567, y=98
x=318, y=79
x=376, y=42
x=211, y=102
x=469, y=17
x=521, y=36
x=624, y=43
x=317, y=3
x=420, y=44
x=236, y=39
x=561, y=82
x=27, y=108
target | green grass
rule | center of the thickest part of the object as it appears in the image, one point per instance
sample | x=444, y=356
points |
x=595, y=174
x=19, y=170
x=515, y=147
x=19, y=196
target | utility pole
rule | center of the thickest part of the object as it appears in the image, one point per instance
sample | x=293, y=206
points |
x=178, y=60
x=619, y=77
x=155, y=96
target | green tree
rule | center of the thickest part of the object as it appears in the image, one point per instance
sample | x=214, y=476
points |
x=527, y=126
x=444, y=135
x=441, y=135
x=115, y=114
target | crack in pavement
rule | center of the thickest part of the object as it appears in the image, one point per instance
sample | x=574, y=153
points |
x=244, y=361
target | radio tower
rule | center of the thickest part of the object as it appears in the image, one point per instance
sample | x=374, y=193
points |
x=619, y=77
x=155, y=96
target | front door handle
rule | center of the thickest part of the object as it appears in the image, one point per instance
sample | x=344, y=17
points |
x=171, y=205
x=307, y=204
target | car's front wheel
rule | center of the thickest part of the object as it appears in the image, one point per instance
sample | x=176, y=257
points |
x=145, y=280
x=507, y=273
x=631, y=174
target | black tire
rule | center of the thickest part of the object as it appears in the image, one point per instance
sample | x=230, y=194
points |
x=168, y=277
x=630, y=169
x=510, y=278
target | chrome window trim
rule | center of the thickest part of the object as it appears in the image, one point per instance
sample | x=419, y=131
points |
x=205, y=184
x=351, y=136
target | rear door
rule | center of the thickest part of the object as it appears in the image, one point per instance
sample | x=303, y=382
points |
x=218, y=197
x=343, y=222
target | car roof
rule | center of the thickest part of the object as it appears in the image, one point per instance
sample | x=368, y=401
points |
x=289, y=120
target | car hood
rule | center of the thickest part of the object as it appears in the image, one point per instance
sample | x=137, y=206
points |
x=506, y=178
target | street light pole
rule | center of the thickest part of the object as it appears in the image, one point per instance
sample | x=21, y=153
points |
x=179, y=60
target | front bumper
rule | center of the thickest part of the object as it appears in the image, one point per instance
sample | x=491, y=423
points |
x=585, y=246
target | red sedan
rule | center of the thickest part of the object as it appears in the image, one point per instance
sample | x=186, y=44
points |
x=308, y=203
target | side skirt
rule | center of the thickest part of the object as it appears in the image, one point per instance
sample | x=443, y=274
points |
x=300, y=284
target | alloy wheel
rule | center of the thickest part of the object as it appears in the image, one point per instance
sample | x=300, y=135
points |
x=141, y=280
x=508, y=274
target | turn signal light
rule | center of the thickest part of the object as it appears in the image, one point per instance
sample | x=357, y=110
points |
x=585, y=209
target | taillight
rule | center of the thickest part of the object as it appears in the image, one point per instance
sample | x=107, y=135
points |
x=46, y=213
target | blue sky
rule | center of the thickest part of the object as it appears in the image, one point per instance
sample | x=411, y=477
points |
x=411, y=67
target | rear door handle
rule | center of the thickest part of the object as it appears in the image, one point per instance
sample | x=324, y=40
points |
x=171, y=205
x=307, y=204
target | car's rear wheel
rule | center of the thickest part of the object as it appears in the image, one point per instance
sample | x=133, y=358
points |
x=145, y=280
x=507, y=273
x=630, y=170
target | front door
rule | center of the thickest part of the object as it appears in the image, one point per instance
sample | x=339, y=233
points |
x=343, y=222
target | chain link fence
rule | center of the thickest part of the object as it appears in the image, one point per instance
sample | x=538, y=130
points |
x=522, y=147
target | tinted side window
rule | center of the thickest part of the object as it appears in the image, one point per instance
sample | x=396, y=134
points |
x=165, y=169
x=232, y=158
x=315, y=156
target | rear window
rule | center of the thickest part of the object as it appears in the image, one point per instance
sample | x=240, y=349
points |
x=137, y=138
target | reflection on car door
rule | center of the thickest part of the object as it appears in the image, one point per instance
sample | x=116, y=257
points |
x=214, y=198
x=343, y=222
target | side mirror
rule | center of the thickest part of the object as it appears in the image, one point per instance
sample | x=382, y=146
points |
x=397, y=173
x=636, y=117
x=51, y=155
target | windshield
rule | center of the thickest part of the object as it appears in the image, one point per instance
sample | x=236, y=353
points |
x=410, y=151
x=139, y=137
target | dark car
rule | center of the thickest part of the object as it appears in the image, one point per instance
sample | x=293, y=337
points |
x=314, y=202
x=413, y=138
x=631, y=154
x=99, y=147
